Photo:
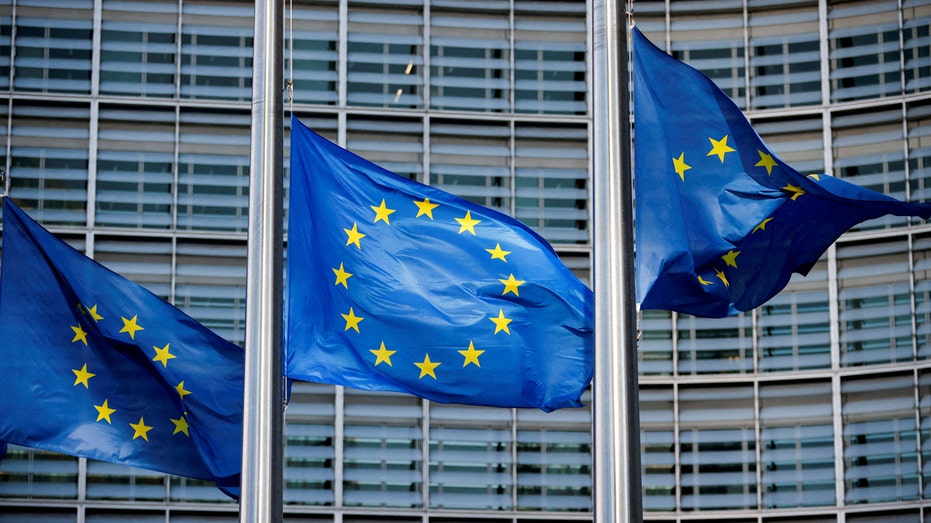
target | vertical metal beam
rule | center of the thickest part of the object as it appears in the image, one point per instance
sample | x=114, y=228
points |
x=616, y=412
x=261, y=498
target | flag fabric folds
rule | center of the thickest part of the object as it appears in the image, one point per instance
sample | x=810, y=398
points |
x=96, y=366
x=722, y=222
x=396, y=286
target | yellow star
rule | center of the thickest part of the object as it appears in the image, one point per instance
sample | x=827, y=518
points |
x=766, y=160
x=162, y=355
x=720, y=148
x=498, y=253
x=131, y=327
x=425, y=208
x=467, y=223
x=104, y=411
x=342, y=276
x=180, y=426
x=722, y=277
x=501, y=323
x=382, y=212
x=471, y=355
x=511, y=285
x=703, y=281
x=815, y=177
x=679, y=165
x=427, y=367
x=352, y=321
x=795, y=190
x=383, y=355
x=141, y=429
x=82, y=376
x=353, y=236
x=762, y=225
x=731, y=258
x=181, y=391
x=79, y=334
x=92, y=311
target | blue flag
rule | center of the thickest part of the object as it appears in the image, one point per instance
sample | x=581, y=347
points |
x=397, y=286
x=96, y=366
x=722, y=223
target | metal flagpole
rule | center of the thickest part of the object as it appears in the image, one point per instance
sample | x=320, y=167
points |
x=616, y=412
x=261, y=497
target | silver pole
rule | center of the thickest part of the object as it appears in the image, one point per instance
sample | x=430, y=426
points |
x=616, y=412
x=261, y=498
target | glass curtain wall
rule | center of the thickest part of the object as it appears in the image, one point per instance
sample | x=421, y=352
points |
x=126, y=132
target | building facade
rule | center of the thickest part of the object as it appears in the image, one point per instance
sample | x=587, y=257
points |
x=126, y=132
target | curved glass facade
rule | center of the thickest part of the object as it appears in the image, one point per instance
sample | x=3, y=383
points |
x=126, y=132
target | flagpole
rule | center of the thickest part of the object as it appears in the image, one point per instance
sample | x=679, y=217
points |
x=261, y=497
x=616, y=412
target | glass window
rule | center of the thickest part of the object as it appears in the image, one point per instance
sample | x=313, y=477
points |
x=863, y=36
x=799, y=141
x=472, y=161
x=657, y=442
x=918, y=120
x=146, y=261
x=717, y=448
x=714, y=345
x=216, y=49
x=921, y=249
x=471, y=467
x=469, y=61
x=138, y=46
x=392, y=143
x=554, y=456
x=916, y=35
x=213, y=171
x=385, y=61
x=27, y=473
x=315, y=27
x=111, y=481
x=713, y=44
x=6, y=30
x=309, y=453
x=875, y=303
x=655, y=347
x=794, y=327
x=549, y=58
x=868, y=152
x=53, y=46
x=48, y=164
x=382, y=450
x=880, y=439
x=135, y=158
x=785, y=57
x=551, y=167
x=210, y=285
x=797, y=440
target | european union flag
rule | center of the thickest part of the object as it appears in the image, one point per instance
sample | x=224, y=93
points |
x=96, y=366
x=722, y=222
x=393, y=285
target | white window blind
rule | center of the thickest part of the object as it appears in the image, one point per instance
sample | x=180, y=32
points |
x=797, y=441
x=864, y=49
x=135, y=160
x=880, y=442
x=785, y=58
x=53, y=46
x=216, y=49
x=385, y=58
x=48, y=174
x=868, y=152
x=875, y=303
x=213, y=171
x=549, y=58
x=138, y=47
x=551, y=167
